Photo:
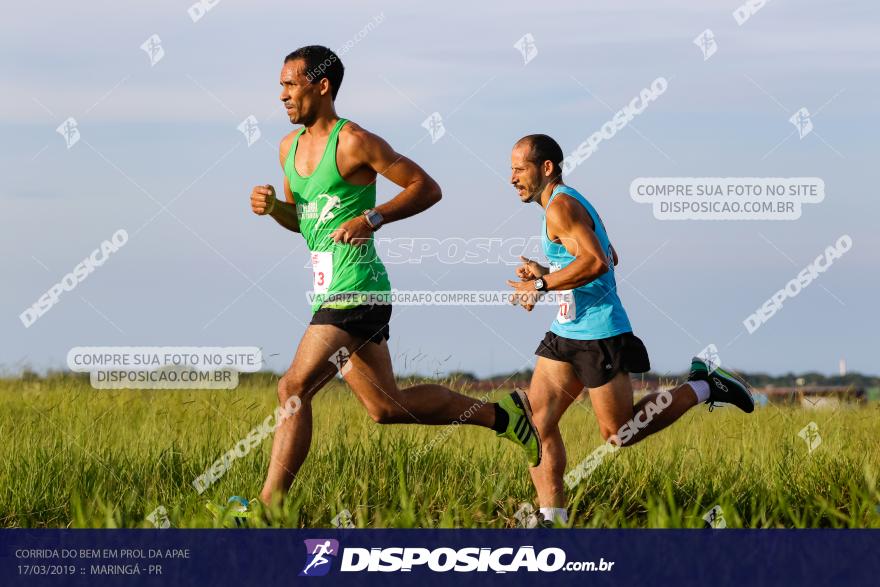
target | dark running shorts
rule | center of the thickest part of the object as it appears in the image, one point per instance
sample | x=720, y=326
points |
x=366, y=322
x=596, y=362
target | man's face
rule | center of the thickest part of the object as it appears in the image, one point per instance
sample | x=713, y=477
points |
x=525, y=175
x=300, y=97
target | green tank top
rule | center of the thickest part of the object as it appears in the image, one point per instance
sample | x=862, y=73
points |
x=324, y=200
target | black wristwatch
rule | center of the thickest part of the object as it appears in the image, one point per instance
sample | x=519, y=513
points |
x=540, y=285
x=374, y=218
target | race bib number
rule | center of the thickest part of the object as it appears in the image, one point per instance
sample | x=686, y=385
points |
x=322, y=269
x=565, y=299
x=567, y=309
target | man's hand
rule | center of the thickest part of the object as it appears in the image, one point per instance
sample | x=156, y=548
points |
x=353, y=232
x=530, y=269
x=263, y=199
x=524, y=294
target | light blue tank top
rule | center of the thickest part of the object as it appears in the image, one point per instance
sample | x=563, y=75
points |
x=593, y=310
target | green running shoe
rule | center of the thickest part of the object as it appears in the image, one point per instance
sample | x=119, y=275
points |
x=236, y=511
x=520, y=428
x=724, y=387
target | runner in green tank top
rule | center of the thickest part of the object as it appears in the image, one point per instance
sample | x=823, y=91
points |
x=324, y=202
x=330, y=167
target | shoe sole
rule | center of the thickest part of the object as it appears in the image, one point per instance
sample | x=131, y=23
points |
x=741, y=384
x=523, y=402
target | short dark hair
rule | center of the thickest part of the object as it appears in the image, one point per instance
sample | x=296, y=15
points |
x=320, y=62
x=544, y=148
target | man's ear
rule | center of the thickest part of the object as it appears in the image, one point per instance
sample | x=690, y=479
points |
x=547, y=168
x=325, y=85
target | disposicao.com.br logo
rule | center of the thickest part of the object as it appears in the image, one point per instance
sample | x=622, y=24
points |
x=442, y=560
x=318, y=553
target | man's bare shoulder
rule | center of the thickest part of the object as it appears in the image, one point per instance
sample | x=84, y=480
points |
x=353, y=139
x=286, y=142
x=565, y=210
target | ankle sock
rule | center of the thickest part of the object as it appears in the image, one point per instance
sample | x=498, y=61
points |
x=501, y=420
x=701, y=389
x=555, y=515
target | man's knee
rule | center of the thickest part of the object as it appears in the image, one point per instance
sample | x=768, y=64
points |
x=388, y=414
x=290, y=386
x=545, y=414
x=621, y=436
x=611, y=433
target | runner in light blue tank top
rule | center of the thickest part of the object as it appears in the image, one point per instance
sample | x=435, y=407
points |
x=591, y=343
x=593, y=310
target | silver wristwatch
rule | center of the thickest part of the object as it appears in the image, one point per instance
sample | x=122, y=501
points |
x=540, y=284
x=374, y=218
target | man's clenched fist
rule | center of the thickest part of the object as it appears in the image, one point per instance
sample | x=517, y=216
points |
x=263, y=199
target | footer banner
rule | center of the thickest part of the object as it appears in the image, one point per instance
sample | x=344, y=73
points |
x=439, y=557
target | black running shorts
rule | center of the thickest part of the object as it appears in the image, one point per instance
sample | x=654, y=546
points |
x=366, y=322
x=596, y=362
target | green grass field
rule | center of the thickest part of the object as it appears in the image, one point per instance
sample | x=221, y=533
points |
x=76, y=457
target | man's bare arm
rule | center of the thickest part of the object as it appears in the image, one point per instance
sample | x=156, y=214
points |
x=264, y=202
x=284, y=212
x=572, y=225
x=420, y=191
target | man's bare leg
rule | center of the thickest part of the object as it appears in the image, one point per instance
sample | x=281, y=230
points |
x=613, y=406
x=310, y=370
x=553, y=388
x=372, y=379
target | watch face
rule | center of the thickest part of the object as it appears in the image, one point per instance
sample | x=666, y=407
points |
x=374, y=218
x=539, y=284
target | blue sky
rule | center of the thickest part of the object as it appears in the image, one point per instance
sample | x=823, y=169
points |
x=164, y=134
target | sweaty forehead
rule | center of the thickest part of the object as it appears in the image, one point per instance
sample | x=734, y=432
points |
x=521, y=151
x=293, y=69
